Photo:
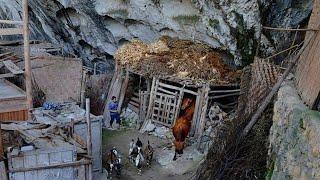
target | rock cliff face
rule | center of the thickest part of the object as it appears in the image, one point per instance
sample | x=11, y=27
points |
x=94, y=29
x=294, y=138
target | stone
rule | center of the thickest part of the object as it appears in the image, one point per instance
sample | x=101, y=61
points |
x=161, y=131
x=150, y=127
x=94, y=31
x=294, y=136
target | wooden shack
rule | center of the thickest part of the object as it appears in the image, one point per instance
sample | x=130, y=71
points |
x=167, y=71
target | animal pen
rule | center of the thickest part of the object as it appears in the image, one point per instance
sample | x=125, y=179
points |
x=163, y=74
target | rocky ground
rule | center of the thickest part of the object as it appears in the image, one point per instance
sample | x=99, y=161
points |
x=162, y=167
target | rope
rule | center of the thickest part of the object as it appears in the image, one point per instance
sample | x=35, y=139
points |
x=288, y=29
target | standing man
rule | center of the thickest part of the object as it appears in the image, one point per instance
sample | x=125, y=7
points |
x=114, y=113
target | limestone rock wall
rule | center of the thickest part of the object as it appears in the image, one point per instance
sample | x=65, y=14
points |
x=94, y=29
x=294, y=138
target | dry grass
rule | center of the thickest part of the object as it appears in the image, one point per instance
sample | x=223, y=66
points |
x=176, y=58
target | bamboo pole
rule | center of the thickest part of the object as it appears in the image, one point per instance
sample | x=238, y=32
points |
x=288, y=29
x=283, y=51
x=1, y=146
x=89, y=145
x=275, y=89
x=26, y=49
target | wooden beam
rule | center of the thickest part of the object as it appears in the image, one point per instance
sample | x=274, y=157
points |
x=1, y=147
x=204, y=107
x=195, y=113
x=89, y=138
x=62, y=165
x=225, y=95
x=14, y=69
x=177, y=88
x=8, y=75
x=11, y=22
x=123, y=90
x=10, y=31
x=27, y=62
x=151, y=99
x=3, y=171
x=224, y=91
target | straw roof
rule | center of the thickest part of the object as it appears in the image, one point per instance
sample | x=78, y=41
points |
x=179, y=59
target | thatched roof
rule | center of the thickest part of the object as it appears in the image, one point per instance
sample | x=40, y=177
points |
x=176, y=59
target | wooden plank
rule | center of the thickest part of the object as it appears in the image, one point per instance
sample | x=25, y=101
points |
x=115, y=85
x=89, y=137
x=177, y=88
x=162, y=94
x=5, y=54
x=10, y=31
x=166, y=91
x=26, y=53
x=195, y=114
x=133, y=108
x=1, y=152
x=178, y=105
x=204, y=107
x=308, y=67
x=11, y=22
x=159, y=100
x=3, y=173
x=70, y=164
x=14, y=69
x=151, y=98
x=225, y=95
x=224, y=91
x=135, y=99
x=123, y=90
x=134, y=104
x=8, y=75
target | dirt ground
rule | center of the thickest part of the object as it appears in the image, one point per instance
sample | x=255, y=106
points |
x=121, y=139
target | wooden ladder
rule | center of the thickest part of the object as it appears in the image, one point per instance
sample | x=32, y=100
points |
x=22, y=29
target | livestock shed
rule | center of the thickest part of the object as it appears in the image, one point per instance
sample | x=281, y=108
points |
x=153, y=80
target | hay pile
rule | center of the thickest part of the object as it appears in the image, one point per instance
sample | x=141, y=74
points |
x=176, y=58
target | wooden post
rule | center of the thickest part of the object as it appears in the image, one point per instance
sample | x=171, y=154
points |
x=1, y=146
x=89, y=145
x=114, y=90
x=204, y=107
x=95, y=68
x=147, y=120
x=27, y=62
x=83, y=88
x=195, y=114
x=123, y=90
x=178, y=106
x=3, y=172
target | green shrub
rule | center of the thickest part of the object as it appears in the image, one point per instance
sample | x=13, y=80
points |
x=119, y=13
x=187, y=19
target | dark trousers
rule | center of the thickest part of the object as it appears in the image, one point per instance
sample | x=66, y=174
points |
x=116, y=117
